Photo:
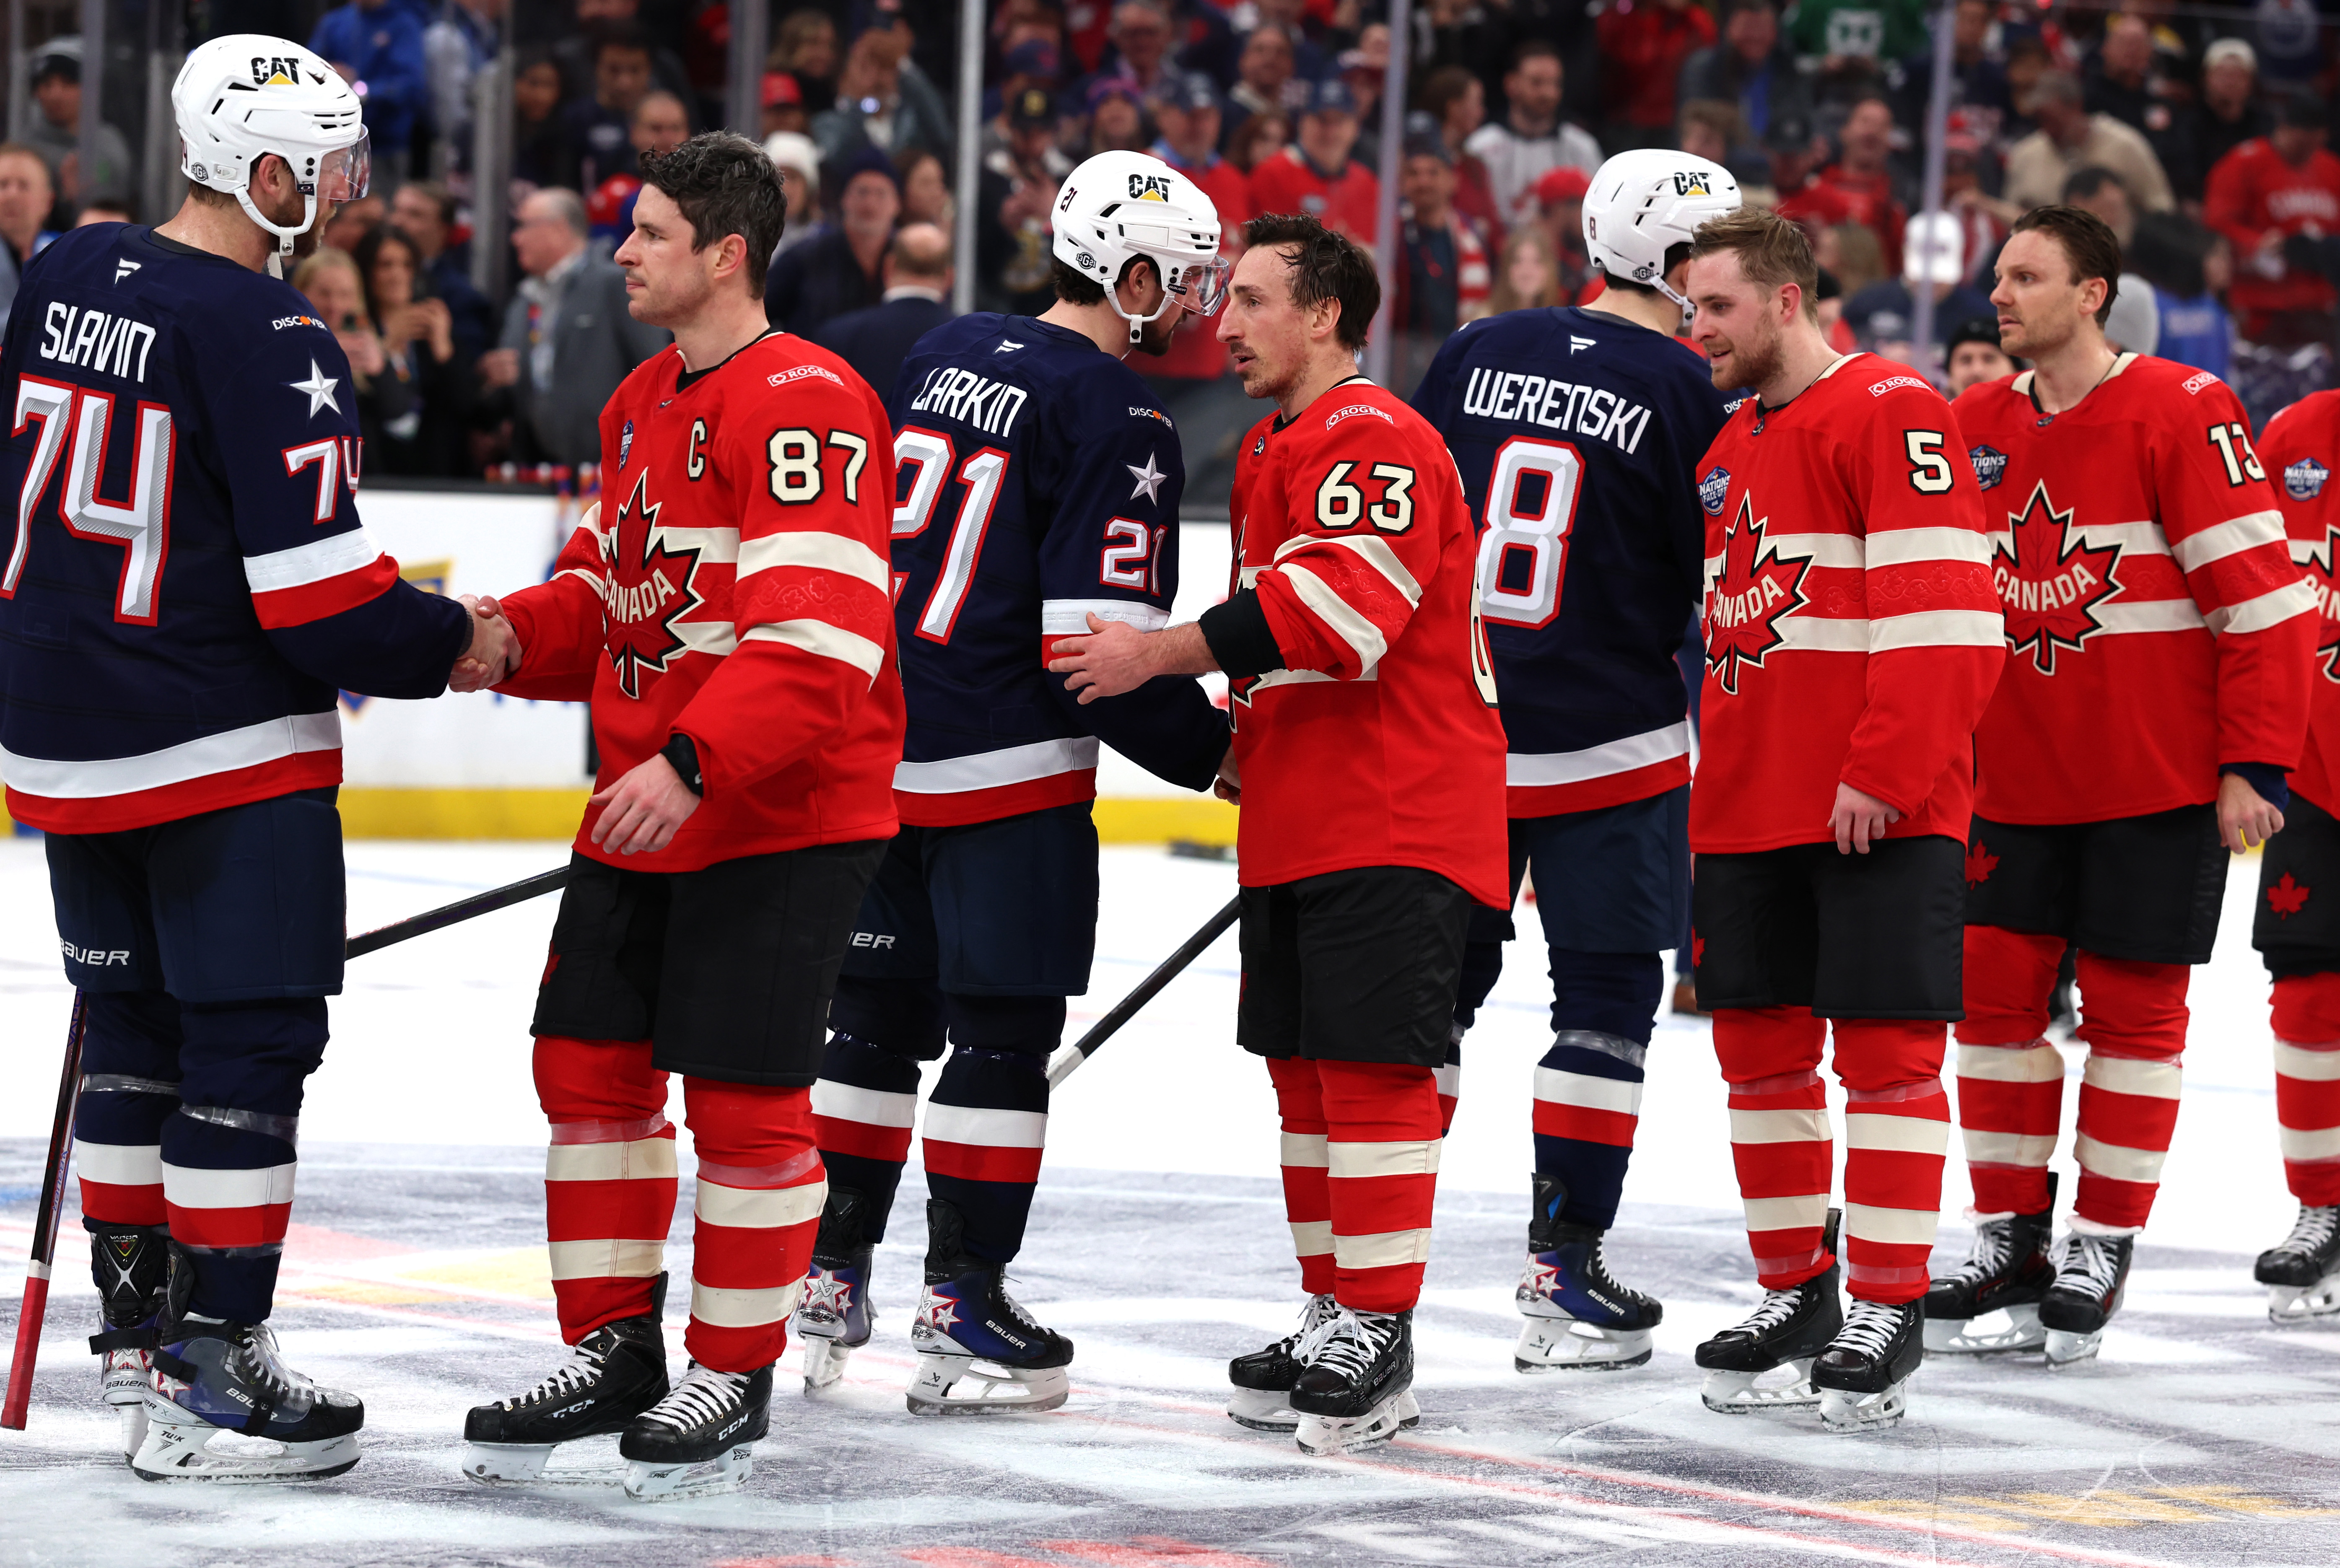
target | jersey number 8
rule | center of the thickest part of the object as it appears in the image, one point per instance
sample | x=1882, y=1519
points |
x=1524, y=552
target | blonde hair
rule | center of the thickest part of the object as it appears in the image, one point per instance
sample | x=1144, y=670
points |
x=1772, y=250
x=325, y=260
x=1503, y=297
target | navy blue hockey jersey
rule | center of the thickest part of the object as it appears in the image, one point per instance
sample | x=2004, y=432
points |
x=1577, y=433
x=186, y=583
x=1038, y=483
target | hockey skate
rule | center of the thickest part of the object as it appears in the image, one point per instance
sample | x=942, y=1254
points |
x=225, y=1407
x=835, y=1319
x=978, y=1351
x=612, y=1375
x=700, y=1441
x=2005, y=1274
x=1356, y=1387
x=1863, y=1376
x=1579, y=1318
x=1789, y=1331
x=2091, y=1277
x=133, y=1262
x=1264, y=1379
x=2303, y=1274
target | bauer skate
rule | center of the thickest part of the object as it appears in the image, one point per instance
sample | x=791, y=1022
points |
x=1356, y=1387
x=612, y=1375
x=1863, y=1376
x=2091, y=1278
x=978, y=1351
x=132, y=1264
x=835, y=1319
x=227, y=1380
x=700, y=1441
x=1579, y=1318
x=2303, y=1274
x=2006, y=1273
x=1264, y=1379
x=1789, y=1330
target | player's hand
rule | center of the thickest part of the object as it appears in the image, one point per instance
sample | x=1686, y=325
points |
x=1114, y=659
x=1228, y=785
x=499, y=368
x=642, y=811
x=2246, y=821
x=1857, y=819
x=494, y=651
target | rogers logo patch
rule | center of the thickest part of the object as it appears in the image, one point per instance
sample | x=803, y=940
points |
x=784, y=377
x=1357, y=408
x=2196, y=382
x=1890, y=382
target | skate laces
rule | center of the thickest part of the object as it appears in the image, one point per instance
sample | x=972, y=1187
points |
x=571, y=1377
x=2312, y=1231
x=1776, y=1307
x=1870, y=1327
x=2094, y=1257
x=1993, y=1251
x=1347, y=1342
x=698, y=1399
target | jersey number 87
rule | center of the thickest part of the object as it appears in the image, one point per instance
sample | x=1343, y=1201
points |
x=1524, y=551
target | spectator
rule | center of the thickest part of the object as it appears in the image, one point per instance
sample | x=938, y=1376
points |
x=1117, y=122
x=2177, y=258
x=1528, y=277
x=1532, y=137
x=883, y=101
x=2132, y=325
x=1187, y=112
x=1984, y=217
x=1141, y=34
x=26, y=195
x=2273, y=198
x=1712, y=130
x=807, y=50
x=460, y=43
x=2291, y=46
x=1019, y=190
x=597, y=129
x=1256, y=139
x=1978, y=84
x=783, y=103
x=1365, y=69
x=1975, y=355
x=55, y=132
x=599, y=19
x=352, y=221
x=837, y=270
x=568, y=338
x=380, y=42
x=799, y=162
x=2099, y=190
x=918, y=277
x=1795, y=154
x=1456, y=103
x=1884, y=315
x=1031, y=64
x=660, y=123
x=2122, y=83
x=1857, y=188
x=417, y=334
x=1851, y=254
x=329, y=281
x=1850, y=37
x=1751, y=66
x=1264, y=82
x=2229, y=114
x=1560, y=212
x=925, y=191
x=1644, y=45
x=1293, y=18
x=425, y=214
x=2070, y=138
x=1315, y=174
x=540, y=147
x=1443, y=278
x=2028, y=62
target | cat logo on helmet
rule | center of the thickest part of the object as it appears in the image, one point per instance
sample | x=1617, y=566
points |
x=1695, y=182
x=1148, y=188
x=274, y=71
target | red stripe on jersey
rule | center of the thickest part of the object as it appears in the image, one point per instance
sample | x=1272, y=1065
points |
x=982, y=1162
x=258, y=1225
x=1592, y=794
x=1002, y=801
x=283, y=607
x=170, y=802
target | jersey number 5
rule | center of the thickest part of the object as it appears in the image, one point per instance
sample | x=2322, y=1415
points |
x=1530, y=507
x=76, y=436
x=982, y=475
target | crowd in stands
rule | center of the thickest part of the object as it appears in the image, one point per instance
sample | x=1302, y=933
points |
x=2197, y=131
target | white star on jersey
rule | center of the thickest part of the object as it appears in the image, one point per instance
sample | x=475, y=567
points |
x=320, y=388
x=1149, y=480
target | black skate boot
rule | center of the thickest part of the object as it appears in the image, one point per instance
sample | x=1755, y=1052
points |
x=2091, y=1277
x=834, y=1320
x=2007, y=1271
x=1579, y=1318
x=1790, y=1329
x=1356, y=1383
x=977, y=1349
x=1264, y=1379
x=131, y=1266
x=2303, y=1274
x=700, y=1439
x=1863, y=1375
x=612, y=1375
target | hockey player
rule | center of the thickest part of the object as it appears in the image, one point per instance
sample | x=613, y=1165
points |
x=2157, y=696
x=1370, y=763
x=726, y=612
x=2296, y=931
x=1592, y=554
x=1852, y=641
x=187, y=585
x=1041, y=480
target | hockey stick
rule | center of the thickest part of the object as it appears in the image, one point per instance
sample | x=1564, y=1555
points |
x=1066, y=1059
x=52, y=1178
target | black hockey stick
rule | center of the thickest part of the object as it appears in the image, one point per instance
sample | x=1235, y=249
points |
x=52, y=1178
x=1066, y=1059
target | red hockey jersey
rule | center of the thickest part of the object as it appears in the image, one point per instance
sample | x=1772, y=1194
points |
x=2158, y=624
x=2253, y=194
x=2301, y=449
x=1286, y=182
x=1851, y=632
x=733, y=586
x=1377, y=744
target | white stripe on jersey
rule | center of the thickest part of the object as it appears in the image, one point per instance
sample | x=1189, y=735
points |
x=1536, y=771
x=314, y=561
x=990, y=769
x=271, y=740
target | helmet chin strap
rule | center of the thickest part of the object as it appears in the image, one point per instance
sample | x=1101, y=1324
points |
x=1137, y=323
x=285, y=237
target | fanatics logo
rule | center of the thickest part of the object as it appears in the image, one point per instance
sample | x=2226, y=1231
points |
x=1713, y=490
x=647, y=590
x=1990, y=465
x=2286, y=897
x=2304, y=480
x=2049, y=581
x=1749, y=595
x=1980, y=864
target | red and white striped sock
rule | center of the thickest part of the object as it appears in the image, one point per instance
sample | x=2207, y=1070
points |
x=610, y=1179
x=2307, y=1085
x=2010, y=1078
x=2133, y=1017
x=1897, y=1134
x=1381, y=1146
x=1307, y=1200
x=760, y=1189
x=1779, y=1138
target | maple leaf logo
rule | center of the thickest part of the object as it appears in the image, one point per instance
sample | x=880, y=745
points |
x=2286, y=897
x=2327, y=609
x=2049, y=581
x=1980, y=864
x=1752, y=590
x=647, y=590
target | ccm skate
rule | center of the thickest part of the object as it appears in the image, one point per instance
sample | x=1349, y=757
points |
x=1863, y=1376
x=2006, y=1272
x=1789, y=1330
x=612, y=1375
x=700, y=1441
x=2303, y=1273
x=1356, y=1387
x=2091, y=1278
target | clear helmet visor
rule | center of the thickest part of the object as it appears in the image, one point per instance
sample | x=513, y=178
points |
x=344, y=173
x=1202, y=286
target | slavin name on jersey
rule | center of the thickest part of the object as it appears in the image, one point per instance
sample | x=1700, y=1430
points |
x=1557, y=406
x=988, y=405
x=96, y=340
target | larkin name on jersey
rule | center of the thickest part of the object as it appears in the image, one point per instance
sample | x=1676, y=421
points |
x=2299, y=449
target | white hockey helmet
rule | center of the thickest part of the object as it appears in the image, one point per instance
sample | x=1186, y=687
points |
x=247, y=93
x=1642, y=203
x=1118, y=205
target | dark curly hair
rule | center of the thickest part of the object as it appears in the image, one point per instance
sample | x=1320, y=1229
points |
x=724, y=186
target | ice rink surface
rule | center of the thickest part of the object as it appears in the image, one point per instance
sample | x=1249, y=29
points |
x=415, y=1276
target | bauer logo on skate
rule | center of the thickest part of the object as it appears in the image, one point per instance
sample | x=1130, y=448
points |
x=1754, y=588
x=648, y=589
x=2049, y=581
